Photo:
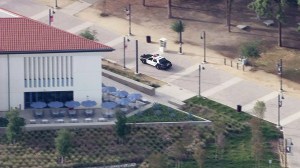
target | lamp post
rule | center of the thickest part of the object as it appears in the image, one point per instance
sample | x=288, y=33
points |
x=124, y=48
x=51, y=16
x=203, y=37
x=201, y=67
x=56, y=6
x=279, y=71
x=128, y=14
x=280, y=97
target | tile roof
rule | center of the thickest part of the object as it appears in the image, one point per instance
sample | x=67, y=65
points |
x=24, y=35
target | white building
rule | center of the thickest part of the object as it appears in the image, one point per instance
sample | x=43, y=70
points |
x=42, y=63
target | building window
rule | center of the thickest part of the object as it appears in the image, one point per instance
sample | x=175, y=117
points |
x=25, y=84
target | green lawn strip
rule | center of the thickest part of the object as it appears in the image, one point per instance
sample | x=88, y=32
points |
x=161, y=113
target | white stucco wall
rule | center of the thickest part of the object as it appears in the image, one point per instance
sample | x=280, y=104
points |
x=3, y=83
x=87, y=74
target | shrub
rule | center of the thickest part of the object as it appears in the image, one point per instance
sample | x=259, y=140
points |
x=89, y=34
x=250, y=49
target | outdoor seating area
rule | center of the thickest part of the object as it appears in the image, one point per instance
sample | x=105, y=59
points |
x=85, y=112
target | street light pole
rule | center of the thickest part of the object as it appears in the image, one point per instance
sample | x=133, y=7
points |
x=124, y=48
x=203, y=36
x=50, y=16
x=279, y=70
x=128, y=13
x=280, y=97
x=200, y=68
x=56, y=6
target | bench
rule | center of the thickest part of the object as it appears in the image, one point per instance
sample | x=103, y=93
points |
x=268, y=22
x=176, y=102
x=242, y=27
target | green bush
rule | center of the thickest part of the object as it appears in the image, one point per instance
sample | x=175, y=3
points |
x=250, y=49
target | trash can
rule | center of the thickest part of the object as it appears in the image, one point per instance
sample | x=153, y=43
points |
x=148, y=39
x=239, y=108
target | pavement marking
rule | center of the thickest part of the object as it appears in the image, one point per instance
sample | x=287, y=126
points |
x=75, y=7
x=176, y=92
x=115, y=41
x=80, y=27
x=221, y=87
x=248, y=107
x=40, y=15
x=290, y=119
x=180, y=74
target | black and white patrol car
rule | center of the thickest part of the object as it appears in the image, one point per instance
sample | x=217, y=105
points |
x=156, y=60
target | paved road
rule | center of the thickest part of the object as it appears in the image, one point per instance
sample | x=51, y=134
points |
x=183, y=78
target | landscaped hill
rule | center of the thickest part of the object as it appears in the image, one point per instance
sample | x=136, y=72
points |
x=158, y=145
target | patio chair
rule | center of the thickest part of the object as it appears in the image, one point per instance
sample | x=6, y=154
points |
x=72, y=113
x=55, y=113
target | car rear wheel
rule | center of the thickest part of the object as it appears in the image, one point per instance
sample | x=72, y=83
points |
x=157, y=67
x=144, y=61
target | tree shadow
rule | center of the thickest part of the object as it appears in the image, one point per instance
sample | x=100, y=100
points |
x=195, y=20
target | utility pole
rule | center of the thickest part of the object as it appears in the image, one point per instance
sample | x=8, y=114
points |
x=56, y=6
x=203, y=36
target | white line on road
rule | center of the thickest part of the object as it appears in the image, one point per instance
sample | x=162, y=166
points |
x=290, y=119
x=80, y=27
x=265, y=98
x=178, y=75
x=40, y=15
x=75, y=7
x=115, y=41
x=221, y=87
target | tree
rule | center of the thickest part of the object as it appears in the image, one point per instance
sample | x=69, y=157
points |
x=219, y=130
x=121, y=127
x=88, y=34
x=63, y=143
x=178, y=26
x=169, y=9
x=257, y=137
x=271, y=8
x=14, y=126
x=259, y=109
x=199, y=154
x=228, y=13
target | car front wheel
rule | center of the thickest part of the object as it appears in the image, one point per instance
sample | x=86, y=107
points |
x=144, y=61
x=157, y=67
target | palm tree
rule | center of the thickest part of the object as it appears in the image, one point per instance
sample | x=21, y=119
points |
x=178, y=26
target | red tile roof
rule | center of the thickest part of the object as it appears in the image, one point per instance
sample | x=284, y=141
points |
x=24, y=35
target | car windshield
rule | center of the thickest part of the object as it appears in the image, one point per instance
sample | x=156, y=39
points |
x=163, y=60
